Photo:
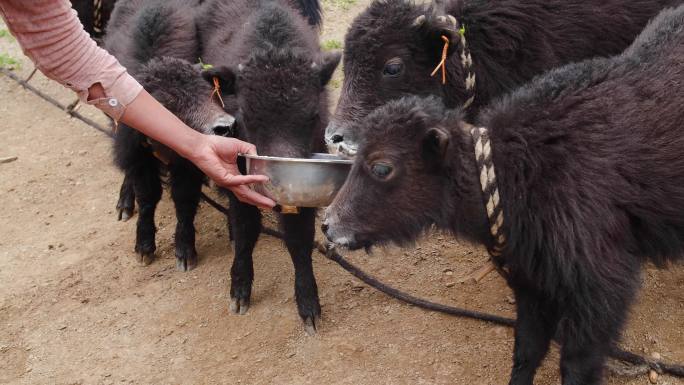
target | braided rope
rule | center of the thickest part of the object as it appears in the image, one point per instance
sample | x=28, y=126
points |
x=490, y=189
x=97, y=13
x=466, y=56
x=467, y=63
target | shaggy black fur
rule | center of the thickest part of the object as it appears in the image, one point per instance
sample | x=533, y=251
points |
x=156, y=40
x=590, y=170
x=510, y=41
x=273, y=76
x=311, y=9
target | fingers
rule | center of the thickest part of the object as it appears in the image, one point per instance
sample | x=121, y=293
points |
x=246, y=148
x=247, y=195
x=229, y=148
x=236, y=180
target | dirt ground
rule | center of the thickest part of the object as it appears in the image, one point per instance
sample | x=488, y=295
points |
x=75, y=307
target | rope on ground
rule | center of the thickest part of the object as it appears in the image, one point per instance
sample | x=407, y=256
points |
x=637, y=364
x=68, y=109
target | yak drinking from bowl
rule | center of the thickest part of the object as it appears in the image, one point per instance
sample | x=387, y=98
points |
x=573, y=182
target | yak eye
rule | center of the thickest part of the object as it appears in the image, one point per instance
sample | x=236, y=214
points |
x=393, y=68
x=381, y=170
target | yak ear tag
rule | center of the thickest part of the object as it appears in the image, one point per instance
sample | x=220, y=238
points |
x=217, y=91
x=217, y=83
x=442, y=63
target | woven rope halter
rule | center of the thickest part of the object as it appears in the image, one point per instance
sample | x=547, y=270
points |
x=97, y=14
x=467, y=62
x=466, y=57
x=490, y=189
x=481, y=142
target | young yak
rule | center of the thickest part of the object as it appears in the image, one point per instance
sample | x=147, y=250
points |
x=272, y=74
x=392, y=48
x=156, y=40
x=582, y=176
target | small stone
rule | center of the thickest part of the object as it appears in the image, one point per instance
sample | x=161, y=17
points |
x=291, y=354
x=510, y=300
x=652, y=376
x=656, y=356
x=63, y=327
x=235, y=356
x=8, y=159
x=450, y=284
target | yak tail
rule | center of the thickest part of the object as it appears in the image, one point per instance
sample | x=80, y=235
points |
x=165, y=28
x=311, y=9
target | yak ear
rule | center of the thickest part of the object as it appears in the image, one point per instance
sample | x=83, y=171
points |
x=434, y=145
x=226, y=77
x=329, y=63
x=435, y=23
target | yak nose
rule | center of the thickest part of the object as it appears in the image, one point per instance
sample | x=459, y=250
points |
x=223, y=130
x=333, y=133
x=325, y=226
x=224, y=126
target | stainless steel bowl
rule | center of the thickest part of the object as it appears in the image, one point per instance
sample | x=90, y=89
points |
x=300, y=182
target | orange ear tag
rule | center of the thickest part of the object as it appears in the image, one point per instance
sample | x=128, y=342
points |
x=217, y=91
x=442, y=63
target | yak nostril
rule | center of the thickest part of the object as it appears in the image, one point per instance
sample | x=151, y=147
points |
x=324, y=228
x=337, y=138
x=223, y=130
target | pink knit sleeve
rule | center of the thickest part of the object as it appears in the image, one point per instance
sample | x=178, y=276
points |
x=51, y=35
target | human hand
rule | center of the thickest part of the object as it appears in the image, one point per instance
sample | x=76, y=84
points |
x=216, y=156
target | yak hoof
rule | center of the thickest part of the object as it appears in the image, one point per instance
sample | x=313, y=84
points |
x=125, y=213
x=145, y=258
x=186, y=256
x=311, y=325
x=239, y=305
x=186, y=264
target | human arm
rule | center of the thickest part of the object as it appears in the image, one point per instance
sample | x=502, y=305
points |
x=51, y=35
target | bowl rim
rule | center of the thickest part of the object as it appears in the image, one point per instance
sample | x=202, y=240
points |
x=299, y=160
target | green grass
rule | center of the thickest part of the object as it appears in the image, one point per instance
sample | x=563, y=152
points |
x=344, y=4
x=335, y=83
x=8, y=62
x=331, y=44
x=6, y=34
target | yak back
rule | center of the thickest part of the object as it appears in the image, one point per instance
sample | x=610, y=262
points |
x=140, y=30
x=230, y=31
x=512, y=41
x=589, y=161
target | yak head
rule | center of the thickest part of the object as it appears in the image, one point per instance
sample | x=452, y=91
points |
x=390, y=52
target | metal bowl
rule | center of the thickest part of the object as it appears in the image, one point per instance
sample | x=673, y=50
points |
x=300, y=182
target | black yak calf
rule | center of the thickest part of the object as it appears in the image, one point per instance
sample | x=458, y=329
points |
x=582, y=174
x=270, y=68
x=156, y=40
x=496, y=46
